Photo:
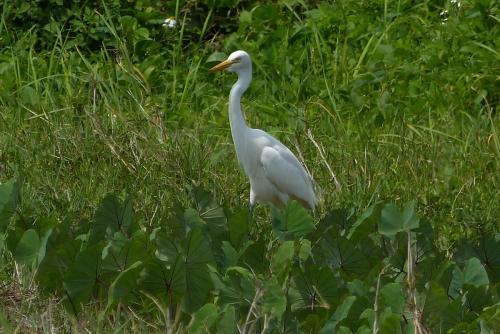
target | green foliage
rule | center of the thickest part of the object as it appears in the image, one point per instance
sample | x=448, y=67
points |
x=398, y=99
x=320, y=281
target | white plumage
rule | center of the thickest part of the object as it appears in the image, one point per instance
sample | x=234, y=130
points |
x=275, y=174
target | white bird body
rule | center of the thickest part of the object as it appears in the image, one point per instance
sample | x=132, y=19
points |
x=275, y=174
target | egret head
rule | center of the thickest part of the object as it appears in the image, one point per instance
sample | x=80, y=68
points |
x=238, y=61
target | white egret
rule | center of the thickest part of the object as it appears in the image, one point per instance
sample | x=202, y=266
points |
x=275, y=174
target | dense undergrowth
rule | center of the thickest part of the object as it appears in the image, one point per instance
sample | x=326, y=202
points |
x=215, y=270
x=385, y=102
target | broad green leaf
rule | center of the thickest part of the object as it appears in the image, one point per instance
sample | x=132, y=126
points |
x=9, y=199
x=341, y=254
x=28, y=248
x=487, y=250
x=393, y=221
x=343, y=330
x=83, y=276
x=477, y=298
x=292, y=221
x=238, y=227
x=273, y=300
x=192, y=219
x=391, y=295
x=168, y=284
x=110, y=217
x=473, y=274
x=203, y=319
x=230, y=254
x=304, y=250
x=198, y=255
x=57, y=260
x=227, y=322
x=340, y=314
x=365, y=224
x=440, y=313
x=312, y=288
x=390, y=323
x=209, y=211
x=255, y=256
x=124, y=283
x=357, y=288
x=120, y=252
x=46, y=227
x=282, y=258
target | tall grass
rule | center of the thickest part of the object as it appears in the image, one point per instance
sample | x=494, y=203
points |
x=393, y=104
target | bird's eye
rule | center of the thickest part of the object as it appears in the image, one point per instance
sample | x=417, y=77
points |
x=236, y=60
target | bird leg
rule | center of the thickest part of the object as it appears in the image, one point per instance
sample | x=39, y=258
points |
x=251, y=206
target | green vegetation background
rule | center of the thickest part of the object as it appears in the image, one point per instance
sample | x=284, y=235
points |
x=383, y=100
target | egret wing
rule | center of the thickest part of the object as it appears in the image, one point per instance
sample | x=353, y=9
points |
x=287, y=174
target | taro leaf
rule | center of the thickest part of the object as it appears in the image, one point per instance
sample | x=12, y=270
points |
x=293, y=221
x=477, y=298
x=57, y=260
x=439, y=312
x=169, y=275
x=46, y=227
x=208, y=210
x=121, y=252
x=9, y=199
x=238, y=227
x=192, y=219
x=203, y=319
x=435, y=302
x=365, y=225
x=282, y=259
x=230, y=254
x=312, y=288
x=488, y=319
x=235, y=287
x=168, y=250
x=28, y=248
x=343, y=330
x=393, y=221
x=198, y=255
x=433, y=268
x=364, y=329
x=304, y=251
x=124, y=283
x=340, y=253
x=255, y=256
x=390, y=323
x=391, y=295
x=110, y=217
x=274, y=300
x=227, y=322
x=473, y=274
x=357, y=288
x=487, y=250
x=340, y=314
x=168, y=285
x=369, y=316
x=83, y=276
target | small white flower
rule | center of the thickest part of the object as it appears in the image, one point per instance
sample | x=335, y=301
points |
x=170, y=23
x=443, y=13
x=458, y=3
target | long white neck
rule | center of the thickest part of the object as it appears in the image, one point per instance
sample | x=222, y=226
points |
x=236, y=119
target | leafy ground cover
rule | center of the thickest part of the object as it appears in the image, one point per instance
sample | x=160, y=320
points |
x=386, y=102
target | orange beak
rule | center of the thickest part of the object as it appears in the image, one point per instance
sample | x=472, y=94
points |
x=221, y=66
